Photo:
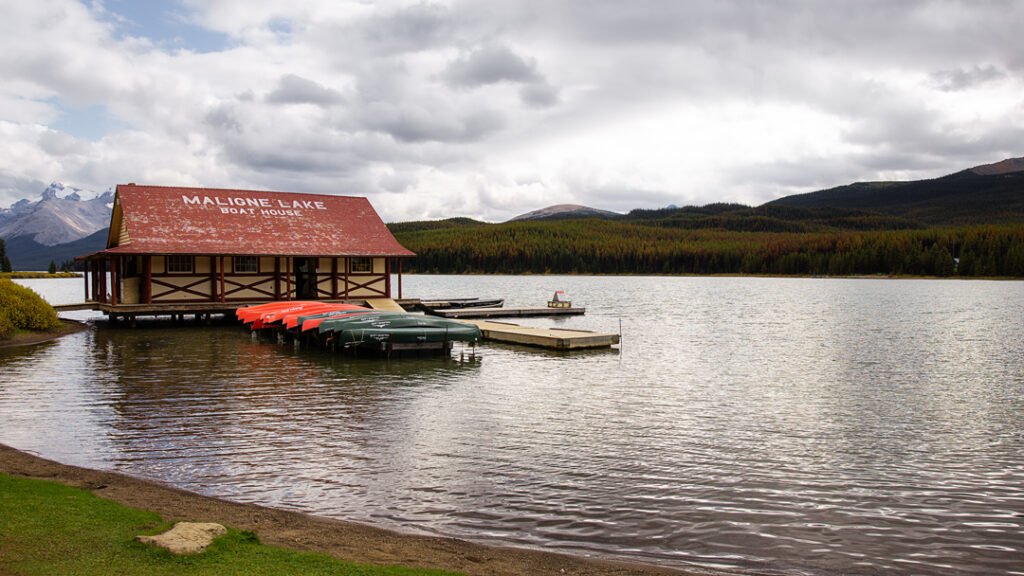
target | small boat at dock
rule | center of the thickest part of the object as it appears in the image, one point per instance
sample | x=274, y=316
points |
x=293, y=319
x=460, y=303
x=396, y=327
x=346, y=326
x=278, y=316
x=307, y=323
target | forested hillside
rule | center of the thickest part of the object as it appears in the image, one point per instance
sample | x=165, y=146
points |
x=970, y=224
x=613, y=247
x=961, y=198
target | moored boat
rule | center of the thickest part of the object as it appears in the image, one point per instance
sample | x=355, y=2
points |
x=276, y=316
x=459, y=303
x=347, y=326
x=249, y=314
x=307, y=323
x=397, y=327
x=292, y=319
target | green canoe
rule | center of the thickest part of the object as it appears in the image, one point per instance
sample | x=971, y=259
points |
x=398, y=327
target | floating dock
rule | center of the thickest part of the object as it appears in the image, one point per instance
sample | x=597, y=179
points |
x=554, y=338
x=384, y=304
x=459, y=313
x=202, y=309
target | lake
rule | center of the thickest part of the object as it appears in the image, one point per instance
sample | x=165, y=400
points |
x=798, y=426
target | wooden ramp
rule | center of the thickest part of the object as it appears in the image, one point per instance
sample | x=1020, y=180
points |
x=554, y=338
x=386, y=304
x=460, y=313
x=74, y=307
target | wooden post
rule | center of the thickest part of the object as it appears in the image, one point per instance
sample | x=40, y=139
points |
x=288, y=277
x=334, y=278
x=277, y=277
x=101, y=289
x=223, y=290
x=348, y=264
x=399, y=278
x=85, y=276
x=213, y=279
x=114, y=278
x=147, y=263
x=387, y=277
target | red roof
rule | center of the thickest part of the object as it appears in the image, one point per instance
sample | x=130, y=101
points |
x=169, y=220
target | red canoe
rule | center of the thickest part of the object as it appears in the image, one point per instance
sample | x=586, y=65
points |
x=291, y=319
x=311, y=323
x=249, y=314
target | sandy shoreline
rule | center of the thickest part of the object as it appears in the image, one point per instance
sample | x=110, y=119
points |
x=346, y=540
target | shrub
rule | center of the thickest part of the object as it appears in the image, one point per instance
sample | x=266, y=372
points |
x=6, y=326
x=23, y=309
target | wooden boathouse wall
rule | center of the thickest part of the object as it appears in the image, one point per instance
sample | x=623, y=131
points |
x=139, y=272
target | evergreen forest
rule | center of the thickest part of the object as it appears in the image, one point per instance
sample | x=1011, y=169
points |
x=967, y=224
x=748, y=243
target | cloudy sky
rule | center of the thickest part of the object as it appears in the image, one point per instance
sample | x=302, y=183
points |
x=490, y=109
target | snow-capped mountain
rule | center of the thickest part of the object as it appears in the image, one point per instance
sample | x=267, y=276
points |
x=59, y=216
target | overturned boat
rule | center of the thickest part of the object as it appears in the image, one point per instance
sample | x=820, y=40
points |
x=395, y=330
x=351, y=327
x=460, y=303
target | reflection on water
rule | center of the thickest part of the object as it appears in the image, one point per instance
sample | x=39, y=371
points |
x=818, y=426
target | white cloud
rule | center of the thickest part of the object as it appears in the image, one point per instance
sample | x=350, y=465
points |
x=467, y=107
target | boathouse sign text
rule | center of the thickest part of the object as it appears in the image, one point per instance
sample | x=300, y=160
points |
x=254, y=206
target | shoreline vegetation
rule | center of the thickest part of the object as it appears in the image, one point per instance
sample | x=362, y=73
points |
x=87, y=535
x=30, y=337
x=24, y=315
x=34, y=275
x=157, y=505
x=680, y=246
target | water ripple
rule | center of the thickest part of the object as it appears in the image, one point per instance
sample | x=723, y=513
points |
x=782, y=426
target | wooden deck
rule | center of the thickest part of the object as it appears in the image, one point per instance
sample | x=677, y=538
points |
x=459, y=313
x=203, y=308
x=553, y=338
x=384, y=304
x=74, y=307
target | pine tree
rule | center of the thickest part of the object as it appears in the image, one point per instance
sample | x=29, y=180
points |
x=53, y=267
x=5, y=262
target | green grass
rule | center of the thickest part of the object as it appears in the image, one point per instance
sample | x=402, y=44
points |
x=50, y=529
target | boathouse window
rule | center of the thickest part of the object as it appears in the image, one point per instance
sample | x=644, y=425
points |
x=362, y=265
x=179, y=264
x=246, y=264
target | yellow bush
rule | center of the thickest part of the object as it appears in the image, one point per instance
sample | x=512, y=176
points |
x=6, y=326
x=22, y=309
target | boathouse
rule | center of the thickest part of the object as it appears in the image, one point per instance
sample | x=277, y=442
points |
x=204, y=250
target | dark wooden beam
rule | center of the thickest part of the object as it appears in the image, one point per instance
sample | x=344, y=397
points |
x=334, y=277
x=222, y=289
x=147, y=263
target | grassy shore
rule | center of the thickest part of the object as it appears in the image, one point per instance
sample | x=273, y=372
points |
x=347, y=541
x=49, y=528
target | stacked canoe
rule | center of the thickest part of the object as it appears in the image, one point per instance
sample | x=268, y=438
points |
x=348, y=326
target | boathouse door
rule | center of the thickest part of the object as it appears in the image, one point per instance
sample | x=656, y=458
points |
x=305, y=278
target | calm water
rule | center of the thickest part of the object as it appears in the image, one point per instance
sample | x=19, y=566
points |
x=803, y=426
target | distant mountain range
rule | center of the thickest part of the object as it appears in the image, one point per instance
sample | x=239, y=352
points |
x=565, y=211
x=60, y=225
x=27, y=254
x=59, y=216
x=992, y=193
x=54, y=227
